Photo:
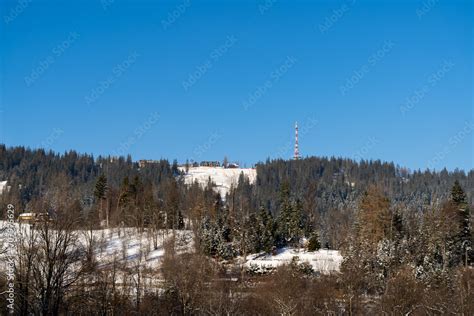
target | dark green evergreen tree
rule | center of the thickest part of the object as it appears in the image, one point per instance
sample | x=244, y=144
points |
x=265, y=230
x=285, y=215
x=463, y=242
x=174, y=168
x=458, y=196
x=290, y=221
x=297, y=222
x=100, y=192
x=172, y=204
x=207, y=236
x=100, y=187
x=124, y=192
x=313, y=242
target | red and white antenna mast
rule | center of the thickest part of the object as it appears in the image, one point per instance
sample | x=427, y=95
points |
x=297, y=153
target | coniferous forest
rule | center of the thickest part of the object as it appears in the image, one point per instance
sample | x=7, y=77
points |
x=405, y=236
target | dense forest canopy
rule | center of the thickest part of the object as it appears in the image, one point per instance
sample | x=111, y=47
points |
x=330, y=182
x=334, y=182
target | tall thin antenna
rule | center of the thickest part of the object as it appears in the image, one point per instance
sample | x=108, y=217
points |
x=297, y=153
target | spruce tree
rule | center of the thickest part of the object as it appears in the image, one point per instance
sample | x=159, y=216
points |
x=174, y=168
x=285, y=215
x=250, y=237
x=463, y=243
x=458, y=196
x=290, y=220
x=100, y=187
x=99, y=193
x=313, y=242
x=124, y=192
x=207, y=236
x=296, y=224
x=265, y=230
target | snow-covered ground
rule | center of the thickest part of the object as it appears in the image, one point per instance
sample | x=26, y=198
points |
x=3, y=185
x=131, y=246
x=323, y=261
x=222, y=177
x=126, y=245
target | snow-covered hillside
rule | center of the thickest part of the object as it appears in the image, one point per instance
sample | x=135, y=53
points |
x=323, y=261
x=127, y=245
x=222, y=177
x=131, y=246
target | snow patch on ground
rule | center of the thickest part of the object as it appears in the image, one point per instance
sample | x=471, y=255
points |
x=323, y=261
x=3, y=185
x=222, y=177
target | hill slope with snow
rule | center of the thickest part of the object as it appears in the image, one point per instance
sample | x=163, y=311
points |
x=222, y=177
x=127, y=244
x=131, y=247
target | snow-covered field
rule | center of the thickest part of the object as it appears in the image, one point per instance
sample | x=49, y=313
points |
x=323, y=261
x=222, y=177
x=131, y=247
x=126, y=245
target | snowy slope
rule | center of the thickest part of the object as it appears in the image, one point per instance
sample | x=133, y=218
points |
x=222, y=177
x=129, y=246
x=125, y=244
x=323, y=261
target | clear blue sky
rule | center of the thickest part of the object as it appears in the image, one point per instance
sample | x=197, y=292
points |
x=390, y=80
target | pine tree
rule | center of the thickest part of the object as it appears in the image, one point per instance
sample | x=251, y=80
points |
x=397, y=226
x=313, y=242
x=225, y=247
x=265, y=230
x=290, y=219
x=99, y=193
x=285, y=214
x=174, y=168
x=172, y=204
x=296, y=223
x=100, y=187
x=124, y=192
x=463, y=243
x=457, y=195
x=207, y=237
